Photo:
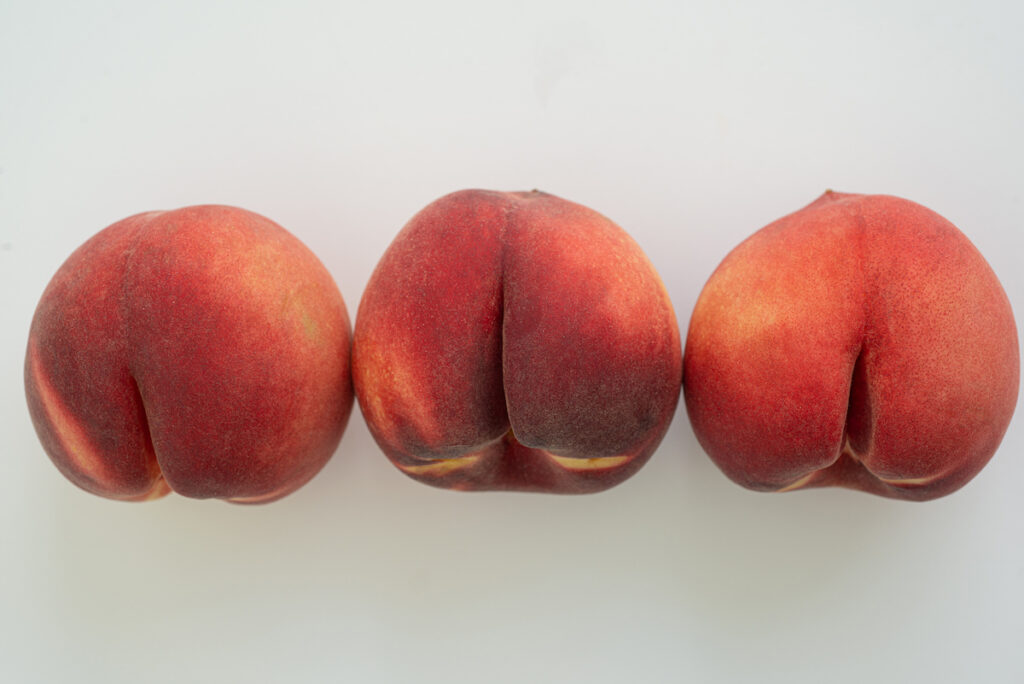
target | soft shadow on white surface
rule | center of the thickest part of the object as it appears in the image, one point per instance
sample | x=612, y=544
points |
x=368, y=574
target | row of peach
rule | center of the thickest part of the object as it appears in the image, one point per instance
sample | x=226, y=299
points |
x=518, y=341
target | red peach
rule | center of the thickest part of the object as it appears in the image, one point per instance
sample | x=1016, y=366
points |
x=203, y=350
x=862, y=342
x=516, y=341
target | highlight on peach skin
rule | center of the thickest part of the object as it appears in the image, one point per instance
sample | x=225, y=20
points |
x=516, y=341
x=203, y=351
x=862, y=342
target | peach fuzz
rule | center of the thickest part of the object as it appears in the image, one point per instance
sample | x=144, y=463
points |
x=516, y=341
x=862, y=342
x=203, y=350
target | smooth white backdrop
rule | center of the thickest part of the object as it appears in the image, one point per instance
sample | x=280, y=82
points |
x=691, y=125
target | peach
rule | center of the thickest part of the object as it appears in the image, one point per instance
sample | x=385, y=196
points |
x=516, y=341
x=862, y=342
x=203, y=350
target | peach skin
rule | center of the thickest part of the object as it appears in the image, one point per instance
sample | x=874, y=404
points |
x=516, y=341
x=862, y=342
x=203, y=350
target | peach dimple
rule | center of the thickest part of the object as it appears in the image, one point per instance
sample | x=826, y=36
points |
x=84, y=460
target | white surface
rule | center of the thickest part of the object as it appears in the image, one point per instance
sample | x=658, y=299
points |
x=691, y=125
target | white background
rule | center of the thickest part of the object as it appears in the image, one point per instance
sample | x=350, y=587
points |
x=689, y=124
